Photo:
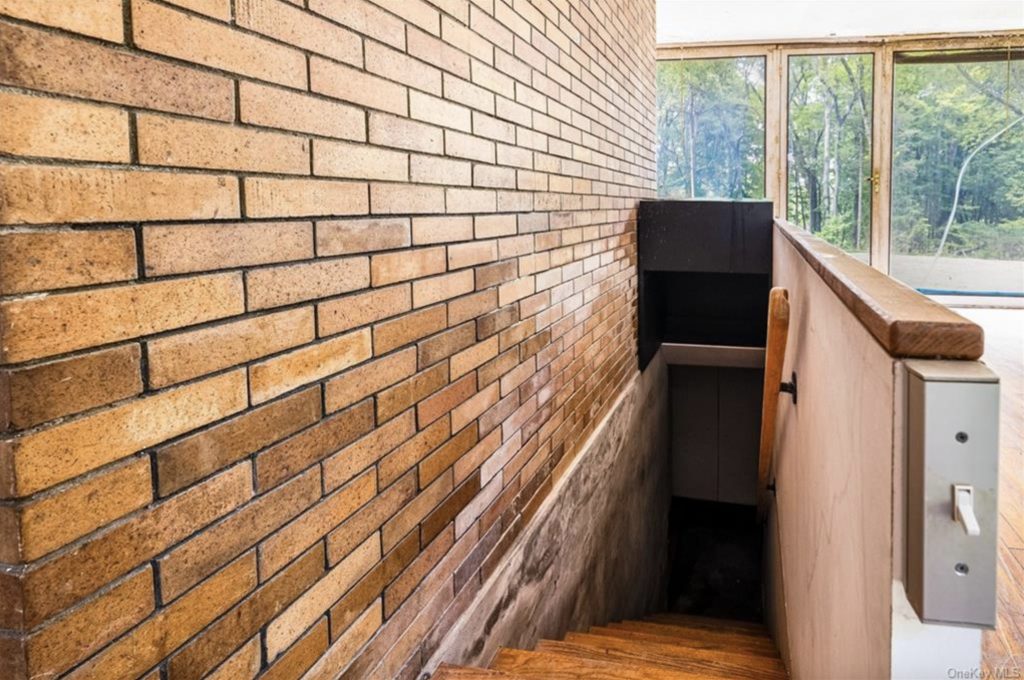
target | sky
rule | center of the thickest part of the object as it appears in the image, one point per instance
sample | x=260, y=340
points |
x=724, y=20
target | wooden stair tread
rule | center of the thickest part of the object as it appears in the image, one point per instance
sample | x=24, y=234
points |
x=735, y=644
x=548, y=665
x=696, y=661
x=692, y=633
x=692, y=621
x=449, y=672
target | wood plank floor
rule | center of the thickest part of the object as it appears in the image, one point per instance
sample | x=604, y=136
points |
x=1003, y=653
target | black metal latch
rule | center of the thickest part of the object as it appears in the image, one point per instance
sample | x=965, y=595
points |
x=789, y=387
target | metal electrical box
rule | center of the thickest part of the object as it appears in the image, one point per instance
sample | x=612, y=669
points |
x=952, y=485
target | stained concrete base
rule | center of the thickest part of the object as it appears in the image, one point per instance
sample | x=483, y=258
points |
x=595, y=551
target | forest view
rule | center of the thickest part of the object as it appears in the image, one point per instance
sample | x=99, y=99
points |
x=961, y=121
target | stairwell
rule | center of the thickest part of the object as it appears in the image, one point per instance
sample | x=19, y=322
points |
x=660, y=647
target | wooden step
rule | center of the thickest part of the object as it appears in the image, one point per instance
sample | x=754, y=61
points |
x=691, y=621
x=701, y=662
x=692, y=633
x=558, y=666
x=448, y=672
x=652, y=632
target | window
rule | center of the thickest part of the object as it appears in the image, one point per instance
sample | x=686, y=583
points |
x=711, y=117
x=829, y=148
x=958, y=172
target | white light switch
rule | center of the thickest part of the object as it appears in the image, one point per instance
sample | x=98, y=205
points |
x=952, y=483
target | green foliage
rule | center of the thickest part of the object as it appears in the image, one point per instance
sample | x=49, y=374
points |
x=711, y=128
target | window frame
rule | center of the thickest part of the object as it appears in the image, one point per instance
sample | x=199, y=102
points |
x=776, y=54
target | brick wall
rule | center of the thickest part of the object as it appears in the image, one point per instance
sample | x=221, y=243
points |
x=304, y=305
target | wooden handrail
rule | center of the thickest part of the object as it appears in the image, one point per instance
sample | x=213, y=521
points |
x=904, y=322
x=774, y=356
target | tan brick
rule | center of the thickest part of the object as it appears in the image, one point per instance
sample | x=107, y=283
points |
x=494, y=177
x=46, y=260
x=416, y=12
x=393, y=401
x=342, y=650
x=99, y=18
x=437, y=111
x=474, y=148
x=302, y=112
x=365, y=18
x=172, y=625
x=217, y=9
x=291, y=25
x=186, y=248
x=342, y=314
x=50, y=390
x=175, y=34
x=293, y=663
x=403, y=585
x=359, y=383
x=356, y=457
x=436, y=170
x=443, y=345
x=469, y=254
x=369, y=518
x=434, y=465
x=344, y=237
x=62, y=644
x=276, y=376
x=179, y=357
x=192, y=458
x=287, y=627
x=470, y=200
x=40, y=459
x=443, y=229
x=472, y=357
x=470, y=306
x=515, y=290
x=494, y=274
x=400, y=67
x=358, y=87
x=57, y=128
x=466, y=40
x=389, y=268
x=55, y=520
x=56, y=63
x=387, y=199
x=315, y=523
x=272, y=197
x=288, y=284
x=312, y=445
x=467, y=465
x=413, y=512
x=444, y=400
x=470, y=410
x=437, y=52
x=443, y=515
x=246, y=618
x=242, y=665
x=197, y=558
x=195, y=144
x=491, y=226
x=370, y=587
x=389, y=335
x=46, y=194
x=409, y=454
x=71, y=575
x=439, y=288
x=496, y=321
x=387, y=130
x=465, y=92
x=359, y=161
x=43, y=326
